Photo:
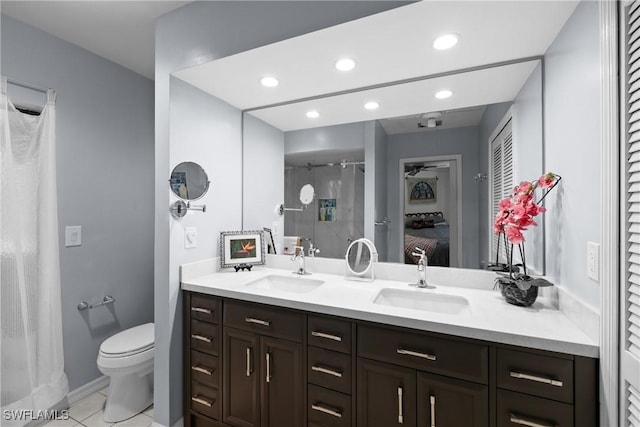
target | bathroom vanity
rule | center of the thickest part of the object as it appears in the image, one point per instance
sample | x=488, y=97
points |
x=259, y=352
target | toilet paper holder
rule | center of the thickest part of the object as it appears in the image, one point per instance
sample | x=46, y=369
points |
x=108, y=299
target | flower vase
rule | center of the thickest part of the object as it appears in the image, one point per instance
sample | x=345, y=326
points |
x=518, y=292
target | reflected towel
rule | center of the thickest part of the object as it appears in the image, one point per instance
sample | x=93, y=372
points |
x=290, y=243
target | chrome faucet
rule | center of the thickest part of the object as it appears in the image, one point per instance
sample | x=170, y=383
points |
x=299, y=255
x=422, y=268
x=313, y=251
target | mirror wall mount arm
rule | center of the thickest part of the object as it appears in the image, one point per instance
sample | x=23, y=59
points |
x=281, y=209
x=180, y=208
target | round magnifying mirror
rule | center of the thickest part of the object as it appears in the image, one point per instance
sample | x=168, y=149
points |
x=307, y=193
x=189, y=181
x=361, y=254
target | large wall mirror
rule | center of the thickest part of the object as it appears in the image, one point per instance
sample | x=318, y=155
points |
x=389, y=160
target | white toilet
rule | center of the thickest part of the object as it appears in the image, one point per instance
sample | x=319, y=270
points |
x=127, y=358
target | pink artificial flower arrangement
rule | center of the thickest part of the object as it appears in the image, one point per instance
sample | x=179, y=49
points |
x=517, y=212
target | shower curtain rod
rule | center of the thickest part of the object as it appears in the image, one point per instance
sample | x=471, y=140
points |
x=343, y=164
x=26, y=85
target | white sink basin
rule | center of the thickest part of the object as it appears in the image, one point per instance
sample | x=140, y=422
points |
x=286, y=283
x=422, y=300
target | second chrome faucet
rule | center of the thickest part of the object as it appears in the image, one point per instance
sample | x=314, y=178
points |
x=422, y=268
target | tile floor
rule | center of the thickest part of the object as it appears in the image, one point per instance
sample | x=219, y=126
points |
x=88, y=413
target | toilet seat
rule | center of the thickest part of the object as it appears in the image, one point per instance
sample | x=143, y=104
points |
x=129, y=342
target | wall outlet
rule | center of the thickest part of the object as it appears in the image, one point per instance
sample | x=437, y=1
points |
x=73, y=235
x=593, y=261
x=190, y=234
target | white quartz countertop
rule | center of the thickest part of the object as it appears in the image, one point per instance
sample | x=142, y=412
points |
x=488, y=316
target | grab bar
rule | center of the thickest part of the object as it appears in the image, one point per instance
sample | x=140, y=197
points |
x=108, y=299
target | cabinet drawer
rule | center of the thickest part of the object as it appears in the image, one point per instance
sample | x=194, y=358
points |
x=536, y=374
x=329, y=369
x=516, y=409
x=204, y=369
x=465, y=360
x=205, y=400
x=205, y=337
x=205, y=307
x=328, y=408
x=325, y=332
x=264, y=320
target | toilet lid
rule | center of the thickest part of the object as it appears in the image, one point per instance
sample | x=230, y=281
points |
x=129, y=341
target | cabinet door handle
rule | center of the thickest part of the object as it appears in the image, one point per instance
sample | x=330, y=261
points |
x=416, y=354
x=535, y=378
x=324, y=370
x=400, y=416
x=201, y=338
x=517, y=419
x=202, y=401
x=257, y=321
x=268, y=358
x=321, y=408
x=201, y=310
x=327, y=336
x=248, y=361
x=201, y=369
x=432, y=402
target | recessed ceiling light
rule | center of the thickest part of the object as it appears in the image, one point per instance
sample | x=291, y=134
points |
x=372, y=105
x=269, y=81
x=313, y=114
x=443, y=94
x=445, y=41
x=345, y=64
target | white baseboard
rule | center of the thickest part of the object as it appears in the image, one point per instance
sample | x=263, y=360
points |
x=88, y=389
x=178, y=423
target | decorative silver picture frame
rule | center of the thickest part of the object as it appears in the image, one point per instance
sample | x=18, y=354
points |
x=242, y=248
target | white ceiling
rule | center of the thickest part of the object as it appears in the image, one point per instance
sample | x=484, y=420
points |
x=388, y=46
x=449, y=119
x=120, y=31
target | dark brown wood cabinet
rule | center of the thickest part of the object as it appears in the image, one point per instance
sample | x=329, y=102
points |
x=254, y=365
x=263, y=379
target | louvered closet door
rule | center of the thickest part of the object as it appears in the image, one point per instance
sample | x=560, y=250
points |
x=630, y=292
x=501, y=179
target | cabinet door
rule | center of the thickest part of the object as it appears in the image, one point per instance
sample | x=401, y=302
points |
x=447, y=402
x=283, y=394
x=386, y=395
x=241, y=379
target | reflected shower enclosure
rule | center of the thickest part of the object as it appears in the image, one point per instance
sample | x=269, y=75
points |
x=335, y=218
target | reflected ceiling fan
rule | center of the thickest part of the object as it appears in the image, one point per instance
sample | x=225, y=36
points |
x=413, y=170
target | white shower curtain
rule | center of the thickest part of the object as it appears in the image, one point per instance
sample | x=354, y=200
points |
x=32, y=366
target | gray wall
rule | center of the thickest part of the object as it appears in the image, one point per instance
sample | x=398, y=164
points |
x=347, y=137
x=572, y=143
x=197, y=33
x=439, y=142
x=105, y=184
x=263, y=155
x=381, y=233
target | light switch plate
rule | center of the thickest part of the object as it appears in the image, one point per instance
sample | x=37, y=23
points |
x=190, y=234
x=73, y=235
x=593, y=261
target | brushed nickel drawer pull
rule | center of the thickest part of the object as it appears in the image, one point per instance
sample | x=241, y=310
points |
x=535, y=378
x=321, y=408
x=400, y=417
x=268, y=357
x=432, y=402
x=201, y=338
x=516, y=419
x=202, y=370
x=416, y=354
x=327, y=336
x=202, y=401
x=201, y=310
x=324, y=370
x=248, y=361
x=257, y=321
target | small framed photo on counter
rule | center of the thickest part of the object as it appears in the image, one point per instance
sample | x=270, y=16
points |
x=241, y=248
